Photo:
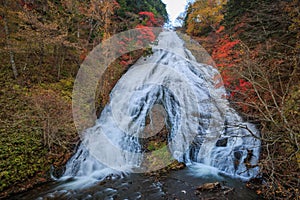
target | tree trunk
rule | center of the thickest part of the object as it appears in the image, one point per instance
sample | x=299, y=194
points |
x=11, y=53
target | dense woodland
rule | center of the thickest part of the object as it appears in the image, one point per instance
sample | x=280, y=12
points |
x=255, y=45
x=43, y=43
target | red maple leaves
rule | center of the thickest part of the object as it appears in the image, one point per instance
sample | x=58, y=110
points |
x=226, y=55
x=150, y=19
x=145, y=37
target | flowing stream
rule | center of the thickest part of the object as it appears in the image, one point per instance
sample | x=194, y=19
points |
x=174, y=91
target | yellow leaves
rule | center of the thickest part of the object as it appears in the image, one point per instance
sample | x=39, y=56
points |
x=203, y=14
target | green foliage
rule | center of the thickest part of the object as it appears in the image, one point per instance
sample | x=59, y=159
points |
x=25, y=142
x=159, y=155
x=155, y=6
x=22, y=153
x=148, y=51
x=154, y=145
x=64, y=86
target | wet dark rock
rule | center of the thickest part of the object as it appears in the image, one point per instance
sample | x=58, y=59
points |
x=238, y=155
x=57, y=172
x=209, y=186
x=213, y=191
x=222, y=142
x=177, y=165
x=174, y=166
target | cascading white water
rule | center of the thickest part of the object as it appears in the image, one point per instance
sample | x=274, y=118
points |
x=202, y=127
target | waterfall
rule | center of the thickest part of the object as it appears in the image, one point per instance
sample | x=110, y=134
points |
x=202, y=127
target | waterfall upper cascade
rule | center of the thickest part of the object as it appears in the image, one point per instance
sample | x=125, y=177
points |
x=202, y=127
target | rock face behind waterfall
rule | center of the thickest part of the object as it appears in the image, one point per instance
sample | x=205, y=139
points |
x=202, y=127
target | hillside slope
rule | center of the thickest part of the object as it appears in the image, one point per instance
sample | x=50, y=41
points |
x=256, y=47
x=43, y=44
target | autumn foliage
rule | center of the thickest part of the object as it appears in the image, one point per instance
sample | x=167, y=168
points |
x=142, y=40
x=204, y=15
x=150, y=21
x=43, y=44
x=255, y=45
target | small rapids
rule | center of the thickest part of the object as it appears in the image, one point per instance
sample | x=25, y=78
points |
x=203, y=131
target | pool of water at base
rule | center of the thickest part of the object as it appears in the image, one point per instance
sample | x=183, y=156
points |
x=181, y=184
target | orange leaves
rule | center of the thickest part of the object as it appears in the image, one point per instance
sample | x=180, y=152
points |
x=228, y=45
x=242, y=86
x=151, y=21
x=227, y=57
x=221, y=55
x=128, y=44
x=224, y=49
x=83, y=55
x=147, y=34
x=143, y=39
x=221, y=28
